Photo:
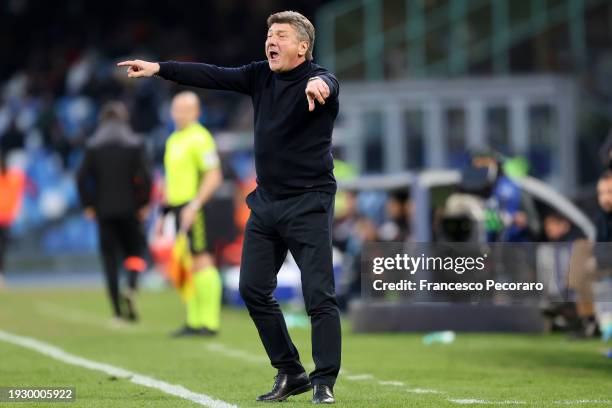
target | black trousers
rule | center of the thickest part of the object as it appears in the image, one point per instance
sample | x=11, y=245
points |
x=302, y=225
x=120, y=238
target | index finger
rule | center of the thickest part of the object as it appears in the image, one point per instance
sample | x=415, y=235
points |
x=311, y=104
x=126, y=63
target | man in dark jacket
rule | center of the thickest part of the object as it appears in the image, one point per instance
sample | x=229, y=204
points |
x=114, y=184
x=295, y=104
x=603, y=258
x=604, y=215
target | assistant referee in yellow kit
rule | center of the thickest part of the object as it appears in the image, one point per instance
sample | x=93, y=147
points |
x=192, y=175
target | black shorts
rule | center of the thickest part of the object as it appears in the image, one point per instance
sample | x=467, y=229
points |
x=197, y=233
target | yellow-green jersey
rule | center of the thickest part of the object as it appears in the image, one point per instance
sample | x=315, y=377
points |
x=190, y=152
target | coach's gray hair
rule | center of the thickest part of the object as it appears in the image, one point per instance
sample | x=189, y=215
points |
x=303, y=26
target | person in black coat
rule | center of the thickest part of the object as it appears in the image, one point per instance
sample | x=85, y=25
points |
x=114, y=183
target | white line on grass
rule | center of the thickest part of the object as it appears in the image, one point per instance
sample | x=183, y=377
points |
x=394, y=383
x=360, y=377
x=470, y=401
x=59, y=354
x=423, y=391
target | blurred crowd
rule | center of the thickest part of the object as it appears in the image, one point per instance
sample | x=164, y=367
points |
x=62, y=70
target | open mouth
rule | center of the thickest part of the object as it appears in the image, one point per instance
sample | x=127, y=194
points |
x=273, y=55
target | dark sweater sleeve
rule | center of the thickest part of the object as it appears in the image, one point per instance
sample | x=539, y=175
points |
x=330, y=80
x=239, y=79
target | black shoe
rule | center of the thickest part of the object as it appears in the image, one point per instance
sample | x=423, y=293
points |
x=129, y=312
x=185, y=331
x=322, y=394
x=188, y=331
x=286, y=385
x=207, y=332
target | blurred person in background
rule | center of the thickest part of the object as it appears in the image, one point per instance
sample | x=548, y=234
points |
x=603, y=220
x=12, y=187
x=583, y=272
x=396, y=226
x=602, y=251
x=193, y=173
x=343, y=171
x=561, y=257
x=363, y=230
x=508, y=214
x=114, y=183
x=557, y=228
x=344, y=223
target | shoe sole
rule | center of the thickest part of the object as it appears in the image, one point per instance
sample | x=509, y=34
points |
x=297, y=391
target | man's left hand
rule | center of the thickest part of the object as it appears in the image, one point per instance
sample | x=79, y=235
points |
x=316, y=89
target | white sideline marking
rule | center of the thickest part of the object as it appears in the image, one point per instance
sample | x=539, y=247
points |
x=423, y=391
x=59, y=354
x=395, y=383
x=488, y=402
x=360, y=377
x=512, y=402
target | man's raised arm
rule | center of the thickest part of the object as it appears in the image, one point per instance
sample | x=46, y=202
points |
x=208, y=76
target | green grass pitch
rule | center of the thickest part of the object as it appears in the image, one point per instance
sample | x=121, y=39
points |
x=382, y=370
